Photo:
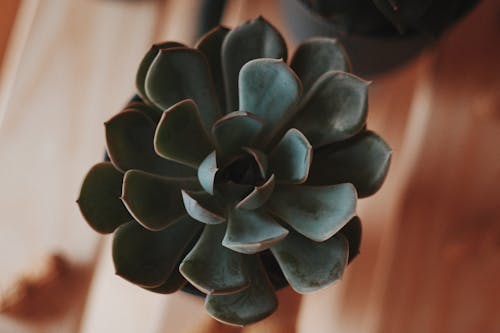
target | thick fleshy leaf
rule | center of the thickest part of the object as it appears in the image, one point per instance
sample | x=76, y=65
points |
x=211, y=46
x=334, y=110
x=248, y=306
x=258, y=196
x=269, y=89
x=254, y=39
x=362, y=161
x=232, y=192
x=154, y=201
x=173, y=283
x=291, y=158
x=211, y=267
x=308, y=265
x=236, y=130
x=153, y=113
x=182, y=73
x=317, y=56
x=129, y=138
x=317, y=212
x=146, y=63
x=260, y=159
x=207, y=172
x=148, y=258
x=99, y=198
x=352, y=232
x=252, y=231
x=180, y=136
x=203, y=207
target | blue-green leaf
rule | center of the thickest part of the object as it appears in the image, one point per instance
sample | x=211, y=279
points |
x=248, y=306
x=203, y=207
x=236, y=130
x=148, y=258
x=154, y=201
x=182, y=73
x=153, y=113
x=260, y=159
x=308, y=265
x=173, y=283
x=317, y=56
x=99, y=198
x=146, y=63
x=211, y=46
x=291, y=158
x=269, y=89
x=362, y=161
x=129, y=138
x=317, y=212
x=254, y=39
x=334, y=109
x=207, y=172
x=352, y=232
x=252, y=231
x=181, y=136
x=258, y=196
x=211, y=267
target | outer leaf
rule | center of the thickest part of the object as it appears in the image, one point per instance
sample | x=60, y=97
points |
x=211, y=46
x=154, y=201
x=173, y=283
x=236, y=130
x=317, y=56
x=248, y=306
x=254, y=39
x=182, y=73
x=291, y=158
x=258, y=196
x=362, y=161
x=334, y=110
x=180, y=135
x=129, y=138
x=309, y=266
x=252, y=231
x=269, y=89
x=153, y=113
x=211, y=267
x=148, y=258
x=352, y=232
x=99, y=199
x=316, y=212
x=146, y=63
x=203, y=207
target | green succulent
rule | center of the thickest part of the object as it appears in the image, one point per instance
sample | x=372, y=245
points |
x=389, y=17
x=229, y=161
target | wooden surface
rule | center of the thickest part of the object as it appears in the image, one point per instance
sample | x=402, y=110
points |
x=429, y=257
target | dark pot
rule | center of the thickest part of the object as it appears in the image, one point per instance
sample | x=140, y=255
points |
x=370, y=55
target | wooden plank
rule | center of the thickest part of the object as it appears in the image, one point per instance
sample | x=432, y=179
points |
x=68, y=80
x=7, y=18
x=446, y=268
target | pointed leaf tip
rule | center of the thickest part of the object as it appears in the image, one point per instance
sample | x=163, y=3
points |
x=308, y=265
x=99, y=198
x=180, y=136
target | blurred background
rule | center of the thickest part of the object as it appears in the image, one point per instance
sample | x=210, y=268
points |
x=430, y=255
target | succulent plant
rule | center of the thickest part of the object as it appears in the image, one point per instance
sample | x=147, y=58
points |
x=391, y=17
x=229, y=161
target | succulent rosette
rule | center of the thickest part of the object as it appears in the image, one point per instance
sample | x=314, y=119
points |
x=232, y=169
